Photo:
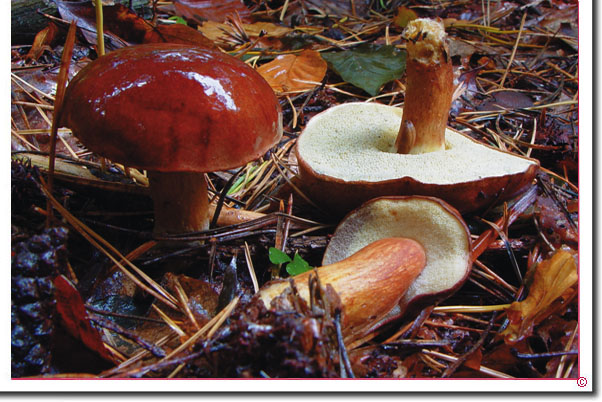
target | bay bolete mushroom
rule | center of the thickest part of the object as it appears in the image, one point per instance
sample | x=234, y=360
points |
x=370, y=282
x=178, y=112
x=353, y=152
x=430, y=222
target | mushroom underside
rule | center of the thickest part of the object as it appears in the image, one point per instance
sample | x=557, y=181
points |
x=431, y=222
x=351, y=147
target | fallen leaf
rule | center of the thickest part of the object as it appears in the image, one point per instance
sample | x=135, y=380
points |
x=552, y=279
x=178, y=33
x=42, y=42
x=403, y=16
x=358, y=8
x=72, y=311
x=121, y=25
x=217, y=31
x=474, y=360
x=368, y=67
x=294, y=72
x=554, y=223
x=212, y=10
x=506, y=100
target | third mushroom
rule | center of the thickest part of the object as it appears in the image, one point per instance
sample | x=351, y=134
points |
x=354, y=152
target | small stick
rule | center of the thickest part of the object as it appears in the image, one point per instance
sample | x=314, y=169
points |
x=100, y=37
x=60, y=94
x=520, y=31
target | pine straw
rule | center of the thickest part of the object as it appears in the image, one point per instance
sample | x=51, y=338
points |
x=523, y=55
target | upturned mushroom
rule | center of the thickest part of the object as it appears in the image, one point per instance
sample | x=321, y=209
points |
x=369, y=283
x=178, y=112
x=390, y=257
x=353, y=152
x=430, y=222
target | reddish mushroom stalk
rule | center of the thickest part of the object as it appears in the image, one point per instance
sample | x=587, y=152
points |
x=178, y=112
x=180, y=202
x=429, y=89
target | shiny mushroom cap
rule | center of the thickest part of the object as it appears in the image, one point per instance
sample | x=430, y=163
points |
x=173, y=108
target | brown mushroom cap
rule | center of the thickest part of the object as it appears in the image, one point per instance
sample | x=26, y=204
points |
x=431, y=222
x=173, y=108
x=347, y=156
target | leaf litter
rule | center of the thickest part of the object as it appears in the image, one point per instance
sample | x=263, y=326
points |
x=520, y=94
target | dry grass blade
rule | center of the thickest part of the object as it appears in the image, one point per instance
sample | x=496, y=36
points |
x=471, y=309
x=251, y=268
x=184, y=303
x=58, y=104
x=20, y=82
x=520, y=31
x=208, y=329
x=482, y=369
x=115, y=371
x=175, y=327
x=97, y=241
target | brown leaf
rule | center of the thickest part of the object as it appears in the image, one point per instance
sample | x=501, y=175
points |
x=121, y=25
x=552, y=279
x=474, y=360
x=403, y=16
x=178, y=33
x=358, y=8
x=42, y=42
x=217, y=31
x=554, y=223
x=72, y=311
x=212, y=10
x=291, y=73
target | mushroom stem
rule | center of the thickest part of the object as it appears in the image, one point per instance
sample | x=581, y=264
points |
x=369, y=283
x=180, y=202
x=429, y=89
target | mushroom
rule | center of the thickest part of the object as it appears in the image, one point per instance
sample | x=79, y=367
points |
x=429, y=221
x=369, y=283
x=178, y=112
x=353, y=152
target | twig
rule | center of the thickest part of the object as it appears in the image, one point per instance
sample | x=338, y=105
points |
x=58, y=106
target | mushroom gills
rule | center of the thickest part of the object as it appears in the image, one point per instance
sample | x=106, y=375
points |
x=434, y=224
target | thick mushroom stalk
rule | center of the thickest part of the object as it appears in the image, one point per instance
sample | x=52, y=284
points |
x=370, y=283
x=180, y=202
x=429, y=89
x=177, y=111
x=430, y=222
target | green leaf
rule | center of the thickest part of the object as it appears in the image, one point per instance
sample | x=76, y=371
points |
x=298, y=266
x=278, y=257
x=178, y=20
x=368, y=66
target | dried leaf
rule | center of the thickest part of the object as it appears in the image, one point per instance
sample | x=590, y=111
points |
x=42, y=42
x=368, y=67
x=70, y=307
x=291, y=73
x=474, y=360
x=217, y=31
x=403, y=16
x=506, y=100
x=554, y=223
x=212, y=10
x=553, y=277
x=358, y=8
x=121, y=25
x=178, y=33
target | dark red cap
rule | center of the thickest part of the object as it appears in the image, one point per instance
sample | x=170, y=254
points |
x=169, y=107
